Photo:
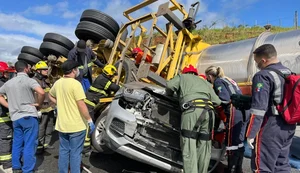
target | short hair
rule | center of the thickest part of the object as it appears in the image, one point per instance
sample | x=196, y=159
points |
x=266, y=50
x=21, y=65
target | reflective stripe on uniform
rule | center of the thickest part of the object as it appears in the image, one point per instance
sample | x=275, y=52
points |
x=89, y=65
x=277, y=95
x=232, y=90
x=257, y=112
x=107, y=85
x=5, y=157
x=235, y=147
x=47, y=90
x=98, y=90
x=4, y=119
x=86, y=144
x=40, y=146
x=46, y=110
x=89, y=102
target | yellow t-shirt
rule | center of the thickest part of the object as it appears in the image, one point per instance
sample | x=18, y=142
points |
x=67, y=91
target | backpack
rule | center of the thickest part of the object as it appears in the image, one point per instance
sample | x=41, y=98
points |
x=289, y=109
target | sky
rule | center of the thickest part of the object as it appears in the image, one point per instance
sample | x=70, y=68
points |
x=24, y=23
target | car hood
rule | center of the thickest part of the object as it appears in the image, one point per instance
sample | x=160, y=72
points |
x=142, y=85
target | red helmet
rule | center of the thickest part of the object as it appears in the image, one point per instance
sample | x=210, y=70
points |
x=136, y=50
x=3, y=66
x=190, y=69
x=11, y=69
x=203, y=76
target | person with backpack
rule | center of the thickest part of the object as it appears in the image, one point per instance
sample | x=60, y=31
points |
x=197, y=100
x=236, y=120
x=268, y=133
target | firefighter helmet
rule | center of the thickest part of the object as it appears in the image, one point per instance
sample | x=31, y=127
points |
x=110, y=70
x=136, y=50
x=3, y=66
x=41, y=65
x=190, y=69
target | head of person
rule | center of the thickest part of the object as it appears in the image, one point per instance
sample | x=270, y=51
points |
x=214, y=72
x=190, y=70
x=23, y=66
x=265, y=55
x=110, y=71
x=135, y=51
x=70, y=68
x=81, y=47
x=3, y=70
x=42, y=68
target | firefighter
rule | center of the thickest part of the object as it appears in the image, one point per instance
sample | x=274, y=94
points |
x=197, y=100
x=101, y=87
x=86, y=58
x=5, y=126
x=137, y=54
x=46, y=121
x=237, y=120
x=267, y=130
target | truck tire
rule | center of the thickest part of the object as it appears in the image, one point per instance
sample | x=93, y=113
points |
x=32, y=51
x=48, y=48
x=97, y=141
x=88, y=30
x=127, y=69
x=102, y=19
x=30, y=59
x=59, y=39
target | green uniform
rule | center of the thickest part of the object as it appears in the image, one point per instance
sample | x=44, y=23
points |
x=196, y=153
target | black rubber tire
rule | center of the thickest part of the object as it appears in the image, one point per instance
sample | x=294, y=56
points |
x=128, y=67
x=48, y=48
x=102, y=19
x=32, y=51
x=88, y=30
x=100, y=148
x=30, y=59
x=59, y=39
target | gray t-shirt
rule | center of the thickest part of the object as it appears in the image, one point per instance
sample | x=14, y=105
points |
x=20, y=94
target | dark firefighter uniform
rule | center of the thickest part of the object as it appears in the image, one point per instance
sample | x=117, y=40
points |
x=46, y=122
x=197, y=98
x=102, y=87
x=5, y=136
x=273, y=136
x=86, y=61
x=236, y=123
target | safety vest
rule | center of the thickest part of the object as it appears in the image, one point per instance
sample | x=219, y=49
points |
x=89, y=65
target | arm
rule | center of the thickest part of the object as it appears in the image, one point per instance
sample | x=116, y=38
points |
x=259, y=106
x=83, y=110
x=173, y=85
x=2, y=98
x=53, y=99
x=40, y=95
x=222, y=92
x=72, y=54
x=95, y=59
x=3, y=101
x=113, y=87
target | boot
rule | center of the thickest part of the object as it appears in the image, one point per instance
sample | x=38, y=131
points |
x=239, y=167
x=232, y=159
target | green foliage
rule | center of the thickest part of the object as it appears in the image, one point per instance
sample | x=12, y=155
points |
x=231, y=34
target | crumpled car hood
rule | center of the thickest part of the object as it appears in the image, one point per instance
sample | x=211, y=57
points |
x=139, y=85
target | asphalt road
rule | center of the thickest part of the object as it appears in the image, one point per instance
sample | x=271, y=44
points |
x=114, y=163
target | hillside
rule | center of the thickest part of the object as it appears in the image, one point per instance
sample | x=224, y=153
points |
x=227, y=34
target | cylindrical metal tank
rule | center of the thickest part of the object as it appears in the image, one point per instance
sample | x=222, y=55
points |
x=237, y=58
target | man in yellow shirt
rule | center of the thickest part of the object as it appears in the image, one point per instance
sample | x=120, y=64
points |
x=72, y=116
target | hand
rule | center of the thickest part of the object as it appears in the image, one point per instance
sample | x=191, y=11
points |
x=35, y=104
x=250, y=142
x=92, y=127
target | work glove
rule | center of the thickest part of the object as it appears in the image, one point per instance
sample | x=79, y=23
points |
x=91, y=127
x=39, y=114
x=250, y=142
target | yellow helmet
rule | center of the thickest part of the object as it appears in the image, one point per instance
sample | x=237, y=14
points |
x=110, y=70
x=41, y=65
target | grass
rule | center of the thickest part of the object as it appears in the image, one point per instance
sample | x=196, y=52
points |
x=231, y=34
